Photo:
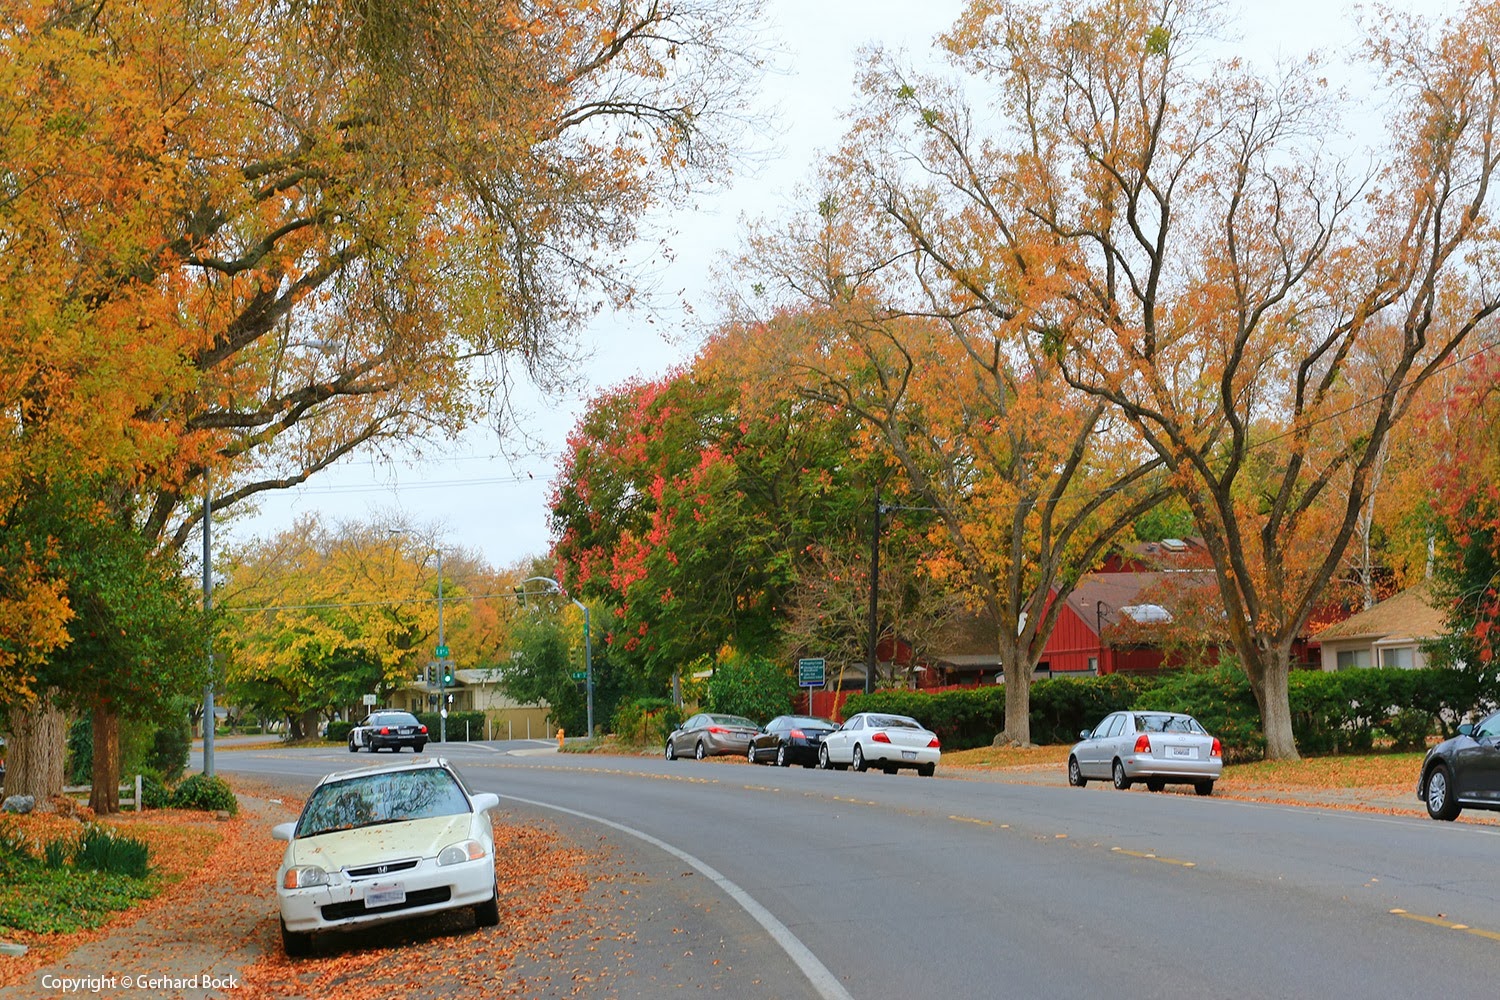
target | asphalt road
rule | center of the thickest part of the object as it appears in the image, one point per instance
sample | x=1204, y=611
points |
x=830, y=884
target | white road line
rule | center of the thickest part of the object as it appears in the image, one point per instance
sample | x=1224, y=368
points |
x=816, y=972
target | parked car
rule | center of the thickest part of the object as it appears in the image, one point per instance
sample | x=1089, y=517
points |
x=388, y=731
x=709, y=735
x=889, y=742
x=386, y=843
x=1463, y=771
x=1158, y=748
x=790, y=739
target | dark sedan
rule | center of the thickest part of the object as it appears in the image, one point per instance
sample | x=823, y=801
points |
x=790, y=739
x=388, y=731
x=1463, y=771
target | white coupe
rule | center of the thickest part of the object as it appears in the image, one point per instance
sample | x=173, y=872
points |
x=877, y=739
x=383, y=844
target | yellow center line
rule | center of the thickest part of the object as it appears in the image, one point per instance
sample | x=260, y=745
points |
x=1148, y=856
x=970, y=819
x=1446, y=924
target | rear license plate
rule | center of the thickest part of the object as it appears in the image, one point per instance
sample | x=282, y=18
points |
x=1183, y=752
x=385, y=894
x=908, y=755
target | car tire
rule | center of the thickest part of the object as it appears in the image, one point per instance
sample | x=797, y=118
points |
x=1121, y=782
x=1155, y=784
x=671, y=751
x=699, y=752
x=1441, y=802
x=418, y=748
x=750, y=754
x=296, y=944
x=1204, y=787
x=1075, y=774
x=927, y=770
x=488, y=914
x=353, y=747
x=781, y=758
x=859, y=763
x=825, y=762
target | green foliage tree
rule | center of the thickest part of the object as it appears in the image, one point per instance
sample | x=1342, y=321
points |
x=754, y=686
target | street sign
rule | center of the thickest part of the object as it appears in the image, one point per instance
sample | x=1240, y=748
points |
x=579, y=675
x=810, y=672
x=442, y=652
x=369, y=699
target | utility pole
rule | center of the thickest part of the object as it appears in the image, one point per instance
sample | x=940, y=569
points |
x=442, y=660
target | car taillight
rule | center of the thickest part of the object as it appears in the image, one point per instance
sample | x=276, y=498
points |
x=880, y=738
x=1218, y=750
x=933, y=744
x=422, y=730
x=797, y=734
x=1142, y=744
x=717, y=729
x=385, y=730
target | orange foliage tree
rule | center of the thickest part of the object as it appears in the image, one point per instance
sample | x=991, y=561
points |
x=1219, y=275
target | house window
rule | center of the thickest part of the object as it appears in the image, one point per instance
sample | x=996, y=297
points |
x=1398, y=656
x=1093, y=664
x=1348, y=658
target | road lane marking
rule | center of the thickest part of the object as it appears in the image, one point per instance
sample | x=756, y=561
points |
x=1446, y=924
x=971, y=819
x=1151, y=856
x=818, y=974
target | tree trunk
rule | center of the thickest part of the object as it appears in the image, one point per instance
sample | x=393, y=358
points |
x=1017, y=691
x=1269, y=671
x=34, y=753
x=104, y=798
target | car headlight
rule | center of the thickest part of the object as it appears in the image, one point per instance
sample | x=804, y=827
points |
x=302, y=876
x=457, y=854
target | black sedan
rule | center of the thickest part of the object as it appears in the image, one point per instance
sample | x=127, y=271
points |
x=1463, y=771
x=388, y=731
x=790, y=739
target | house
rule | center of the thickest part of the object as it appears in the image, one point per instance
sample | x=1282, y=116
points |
x=1391, y=634
x=480, y=690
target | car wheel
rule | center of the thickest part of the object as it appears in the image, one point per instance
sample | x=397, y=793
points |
x=1121, y=782
x=927, y=770
x=353, y=747
x=418, y=748
x=295, y=943
x=750, y=753
x=1205, y=787
x=671, y=751
x=1075, y=774
x=1441, y=803
x=859, y=758
x=699, y=751
x=1155, y=784
x=781, y=760
x=488, y=914
x=824, y=761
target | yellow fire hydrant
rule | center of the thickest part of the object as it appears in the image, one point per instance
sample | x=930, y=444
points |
x=559, y=739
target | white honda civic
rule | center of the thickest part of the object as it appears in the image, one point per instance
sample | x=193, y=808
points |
x=386, y=843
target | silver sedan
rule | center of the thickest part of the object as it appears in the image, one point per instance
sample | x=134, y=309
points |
x=707, y=735
x=1157, y=748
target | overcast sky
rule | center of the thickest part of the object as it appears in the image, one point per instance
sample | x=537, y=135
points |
x=475, y=499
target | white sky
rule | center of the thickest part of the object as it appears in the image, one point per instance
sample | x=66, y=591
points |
x=475, y=499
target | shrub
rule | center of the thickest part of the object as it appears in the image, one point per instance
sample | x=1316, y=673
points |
x=751, y=685
x=338, y=730
x=646, y=721
x=456, y=731
x=170, y=746
x=154, y=791
x=198, y=791
x=101, y=850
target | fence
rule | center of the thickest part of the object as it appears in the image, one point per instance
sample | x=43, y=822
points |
x=130, y=795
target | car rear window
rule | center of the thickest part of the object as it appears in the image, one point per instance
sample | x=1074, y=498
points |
x=893, y=722
x=733, y=720
x=1167, y=724
x=383, y=797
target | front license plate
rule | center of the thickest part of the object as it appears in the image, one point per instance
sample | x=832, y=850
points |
x=1182, y=751
x=385, y=894
x=908, y=755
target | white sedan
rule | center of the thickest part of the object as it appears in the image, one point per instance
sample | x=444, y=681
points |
x=383, y=844
x=889, y=742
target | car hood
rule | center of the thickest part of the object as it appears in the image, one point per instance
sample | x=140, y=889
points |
x=372, y=844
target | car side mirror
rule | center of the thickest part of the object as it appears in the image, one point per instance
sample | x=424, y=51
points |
x=485, y=801
x=283, y=831
x=1083, y=734
x=1467, y=729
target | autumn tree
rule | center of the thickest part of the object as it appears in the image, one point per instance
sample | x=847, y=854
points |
x=239, y=242
x=1224, y=270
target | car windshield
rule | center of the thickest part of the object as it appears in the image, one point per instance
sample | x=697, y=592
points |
x=893, y=722
x=1167, y=724
x=384, y=797
x=732, y=720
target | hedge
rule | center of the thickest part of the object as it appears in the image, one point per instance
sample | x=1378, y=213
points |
x=1344, y=711
x=455, y=725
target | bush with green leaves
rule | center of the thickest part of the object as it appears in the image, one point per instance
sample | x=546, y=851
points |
x=338, y=730
x=170, y=747
x=754, y=686
x=198, y=791
x=646, y=721
x=155, y=793
x=102, y=850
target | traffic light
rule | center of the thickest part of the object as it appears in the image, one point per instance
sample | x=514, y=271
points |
x=447, y=676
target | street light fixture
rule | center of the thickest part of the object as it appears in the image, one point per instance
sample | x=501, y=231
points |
x=588, y=653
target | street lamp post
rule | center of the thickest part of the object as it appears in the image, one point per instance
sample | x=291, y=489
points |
x=208, y=604
x=442, y=657
x=588, y=648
